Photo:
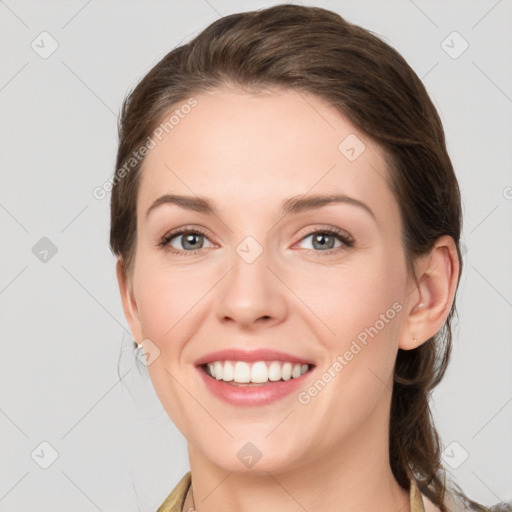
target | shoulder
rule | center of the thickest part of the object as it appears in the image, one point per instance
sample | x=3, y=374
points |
x=174, y=502
x=459, y=502
x=429, y=506
x=502, y=507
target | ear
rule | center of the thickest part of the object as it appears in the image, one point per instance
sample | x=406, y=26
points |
x=128, y=299
x=430, y=301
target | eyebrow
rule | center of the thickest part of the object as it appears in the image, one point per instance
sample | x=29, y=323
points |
x=292, y=205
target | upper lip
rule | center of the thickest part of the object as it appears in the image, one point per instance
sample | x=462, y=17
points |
x=261, y=354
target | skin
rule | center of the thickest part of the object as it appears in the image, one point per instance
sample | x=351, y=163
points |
x=247, y=152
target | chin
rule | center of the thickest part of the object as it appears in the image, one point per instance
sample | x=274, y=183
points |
x=246, y=458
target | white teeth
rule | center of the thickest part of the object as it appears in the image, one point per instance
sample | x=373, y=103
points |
x=228, y=371
x=242, y=372
x=296, y=371
x=258, y=372
x=218, y=370
x=274, y=371
x=286, y=371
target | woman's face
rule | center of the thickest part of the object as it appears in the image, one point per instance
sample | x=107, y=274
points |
x=263, y=277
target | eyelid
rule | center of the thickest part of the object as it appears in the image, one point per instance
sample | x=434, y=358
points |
x=329, y=229
x=185, y=229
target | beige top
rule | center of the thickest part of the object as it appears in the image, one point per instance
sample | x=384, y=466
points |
x=174, y=502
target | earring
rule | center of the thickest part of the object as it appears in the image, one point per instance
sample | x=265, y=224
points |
x=138, y=348
x=415, y=340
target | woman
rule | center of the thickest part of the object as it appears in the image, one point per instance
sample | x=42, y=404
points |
x=287, y=220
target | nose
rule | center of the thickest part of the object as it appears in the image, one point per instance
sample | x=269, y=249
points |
x=251, y=295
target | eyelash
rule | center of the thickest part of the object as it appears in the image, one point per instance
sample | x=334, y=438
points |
x=347, y=240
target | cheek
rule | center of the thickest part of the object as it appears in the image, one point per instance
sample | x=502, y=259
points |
x=360, y=305
x=356, y=300
x=169, y=302
x=360, y=311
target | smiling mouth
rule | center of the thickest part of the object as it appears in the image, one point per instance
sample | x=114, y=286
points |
x=260, y=373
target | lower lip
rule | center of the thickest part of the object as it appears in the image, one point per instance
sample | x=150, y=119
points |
x=252, y=395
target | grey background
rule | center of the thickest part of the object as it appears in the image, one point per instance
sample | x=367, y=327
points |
x=62, y=325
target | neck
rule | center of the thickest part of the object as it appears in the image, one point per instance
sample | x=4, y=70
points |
x=355, y=477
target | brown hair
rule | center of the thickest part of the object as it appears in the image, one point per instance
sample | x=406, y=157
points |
x=314, y=50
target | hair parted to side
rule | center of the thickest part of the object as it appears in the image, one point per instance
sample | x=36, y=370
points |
x=314, y=50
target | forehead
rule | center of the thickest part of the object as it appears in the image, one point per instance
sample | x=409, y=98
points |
x=256, y=149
